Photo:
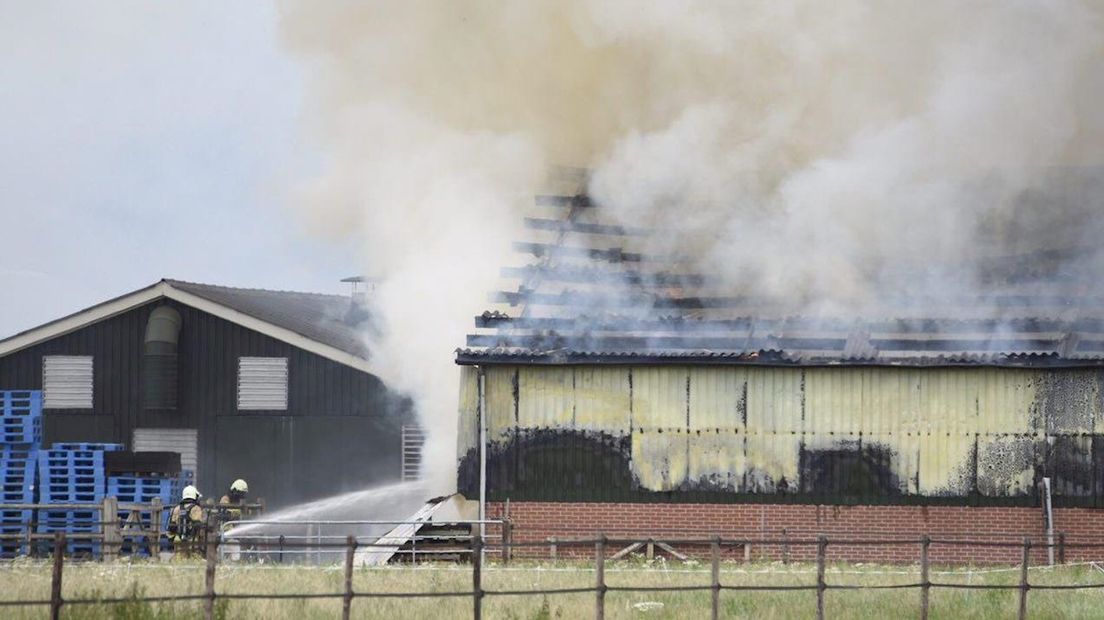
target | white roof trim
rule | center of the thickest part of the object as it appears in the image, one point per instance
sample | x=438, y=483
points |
x=160, y=290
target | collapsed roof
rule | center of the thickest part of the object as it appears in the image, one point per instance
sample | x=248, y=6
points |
x=589, y=294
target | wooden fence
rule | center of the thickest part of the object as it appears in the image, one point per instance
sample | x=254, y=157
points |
x=601, y=546
x=113, y=532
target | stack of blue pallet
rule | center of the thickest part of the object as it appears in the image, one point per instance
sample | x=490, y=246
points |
x=142, y=489
x=20, y=438
x=72, y=473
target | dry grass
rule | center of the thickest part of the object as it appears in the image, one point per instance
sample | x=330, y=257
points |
x=31, y=580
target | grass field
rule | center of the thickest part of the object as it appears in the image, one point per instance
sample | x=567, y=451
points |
x=31, y=580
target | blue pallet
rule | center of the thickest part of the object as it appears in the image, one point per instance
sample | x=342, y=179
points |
x=71, y=496
x=21, y=402
x=14, y=522
x=141, y=490
x=68, y=520
x=21, y=430
x=66, y=458
x=88, y=447
x=17, y=495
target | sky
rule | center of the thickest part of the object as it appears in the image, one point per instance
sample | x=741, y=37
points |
x=154, y=140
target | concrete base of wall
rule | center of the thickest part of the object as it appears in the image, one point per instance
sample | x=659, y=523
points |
x=801, y=524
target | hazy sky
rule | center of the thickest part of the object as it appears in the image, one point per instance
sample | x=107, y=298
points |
x=142, y=140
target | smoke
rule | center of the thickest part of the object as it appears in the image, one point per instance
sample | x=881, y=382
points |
x=831, y=155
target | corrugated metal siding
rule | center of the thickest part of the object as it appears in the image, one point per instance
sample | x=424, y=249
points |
x=67, y=381
x=262, y=383
x=602, y=399
x=869, y=434
x=208, y=353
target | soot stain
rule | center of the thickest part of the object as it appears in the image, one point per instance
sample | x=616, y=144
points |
x=849, y=468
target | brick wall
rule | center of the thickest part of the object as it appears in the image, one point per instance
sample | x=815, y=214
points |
x=537, y=521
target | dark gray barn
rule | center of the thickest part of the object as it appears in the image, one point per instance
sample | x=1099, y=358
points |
x=270, y=386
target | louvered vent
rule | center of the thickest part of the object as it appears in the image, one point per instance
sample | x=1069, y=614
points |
x=67, y=381
x=183, y=441
x=262, y=383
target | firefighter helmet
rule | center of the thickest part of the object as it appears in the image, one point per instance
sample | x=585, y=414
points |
x=190, y=492
x=239, y=486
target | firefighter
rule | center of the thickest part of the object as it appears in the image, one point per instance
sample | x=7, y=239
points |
x=230, y=510
x=232, y=502
x=187, y=523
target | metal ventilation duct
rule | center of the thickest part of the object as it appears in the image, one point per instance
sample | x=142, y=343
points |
x=159, y=385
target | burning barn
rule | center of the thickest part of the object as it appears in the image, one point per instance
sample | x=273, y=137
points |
x=270, y=386
x=616, y=394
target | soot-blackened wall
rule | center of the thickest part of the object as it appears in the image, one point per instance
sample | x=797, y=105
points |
x=786, y=434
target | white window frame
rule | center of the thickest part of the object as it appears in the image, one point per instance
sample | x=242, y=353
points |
x=263, y=383
x=72, y=395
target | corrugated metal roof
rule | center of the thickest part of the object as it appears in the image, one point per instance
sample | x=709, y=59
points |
x=329, y=319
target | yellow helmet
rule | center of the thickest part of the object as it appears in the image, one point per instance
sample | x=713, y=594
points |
x=240, y=486
x=190, y=492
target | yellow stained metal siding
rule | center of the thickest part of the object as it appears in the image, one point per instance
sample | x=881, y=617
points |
x=659, y=397
x=602, y=400
x=947, y=429
x=547, y=397
x=467, y=431
x=499, y=385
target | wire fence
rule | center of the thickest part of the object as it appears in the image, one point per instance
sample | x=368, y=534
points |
x=600, y=546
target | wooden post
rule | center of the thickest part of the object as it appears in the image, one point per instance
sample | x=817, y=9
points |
x=1024, y=587
x=785, y=547
x=507, y=538
x=477, y=576
x=111, y=539
x=156, y=514
x=212, y=560
x=350, y=552
x=552, y=547
x=650, y=549
x=925, y=581
x=715, y=564
x=30, y=549
x=55, y=581
x=1061, y=547
x=822, y=548
x=600, y=571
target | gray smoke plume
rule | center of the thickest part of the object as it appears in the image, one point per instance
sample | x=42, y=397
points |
x=831, y=156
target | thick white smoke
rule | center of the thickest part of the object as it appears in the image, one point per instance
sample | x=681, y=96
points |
x=806, y=150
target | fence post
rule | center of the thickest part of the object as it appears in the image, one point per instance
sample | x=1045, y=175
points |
x=55, y=581
x=925, y=581
x=350, y=552
x=715, y=566
x=822, y=548
x=477, y=576
x=552, y=547
x=507, y=538
x=1024, y=587
x=600, y=570
x=110, y=538
x=155, y=523
x=29, y=540
x=785, y=547
x=212, y=559
x=1061, y=547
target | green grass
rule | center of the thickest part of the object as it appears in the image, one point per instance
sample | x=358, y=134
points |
x=25, y=579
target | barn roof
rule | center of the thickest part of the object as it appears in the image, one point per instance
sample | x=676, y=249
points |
x=590, y=295
x=328, y=319
x=328, y=325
